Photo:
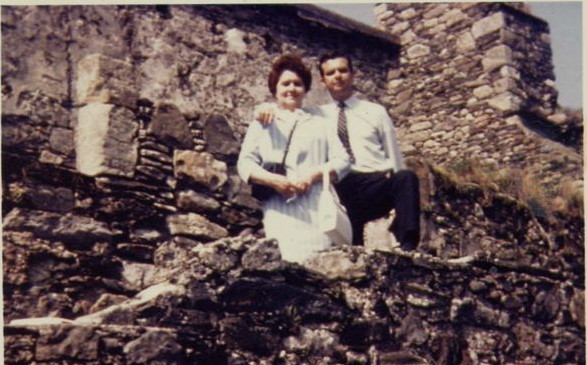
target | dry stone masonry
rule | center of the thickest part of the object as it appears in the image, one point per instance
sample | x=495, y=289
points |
x=476, y=81
x=128, y=237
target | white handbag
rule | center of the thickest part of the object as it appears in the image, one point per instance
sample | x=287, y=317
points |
x=332, y=217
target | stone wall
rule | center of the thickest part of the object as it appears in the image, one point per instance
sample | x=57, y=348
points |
x=120, y=131
x=153, y=100
x=514, y=295
x=476, y=81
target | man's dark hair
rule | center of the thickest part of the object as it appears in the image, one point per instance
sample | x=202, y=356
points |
x=288, y=63
x=332, y=55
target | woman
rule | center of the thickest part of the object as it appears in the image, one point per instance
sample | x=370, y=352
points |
x=290, y=215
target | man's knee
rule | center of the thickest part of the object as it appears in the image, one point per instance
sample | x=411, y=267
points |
x=407, y=177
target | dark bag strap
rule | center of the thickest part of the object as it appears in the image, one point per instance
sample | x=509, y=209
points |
x=288, y=143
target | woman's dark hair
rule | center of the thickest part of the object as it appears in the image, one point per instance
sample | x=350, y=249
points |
x=331, y=56
x=288, y=63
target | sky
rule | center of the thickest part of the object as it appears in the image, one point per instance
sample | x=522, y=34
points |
x=564, y=20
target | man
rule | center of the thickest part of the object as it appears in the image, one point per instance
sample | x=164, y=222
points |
x=378, y=181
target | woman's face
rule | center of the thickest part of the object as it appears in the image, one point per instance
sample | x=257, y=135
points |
x=290, y=90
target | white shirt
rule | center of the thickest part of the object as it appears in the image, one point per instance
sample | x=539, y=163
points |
x=371, y=134
x=267, y=143
x=293, y=223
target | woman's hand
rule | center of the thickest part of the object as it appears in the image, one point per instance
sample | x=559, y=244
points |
x=283, y=186
x=306, y=181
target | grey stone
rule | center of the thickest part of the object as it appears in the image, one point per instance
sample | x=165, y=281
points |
x=17, y=133
x=174, y=253
x=34, y=56
x=102, y=79
x=420, y=126
x=201, y=167
x=216, y=256
x=488, y=25
x=504, y=84
x=170, y=126
x=49, y=198
x=506, y=102
x=407, y=14
x=234, y=41
x=400, y=27
x=417, y=51
x=61, y=140
x=155, y=347
x=452, y=17
x=194, y=202
x=435, y=11
x=497, y=57
x=466, y=42
x=51, y=158
x=74, y=342
x=105, y=140
x=483, y=92
x=139, y=276
x=263, y=255
x=195, y=225
x=338, y=265
x=219, y=136
x=135, y=252
x=72, y=229
x=319, y=341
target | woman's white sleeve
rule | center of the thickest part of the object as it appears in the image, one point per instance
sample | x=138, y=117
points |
x=249, y=158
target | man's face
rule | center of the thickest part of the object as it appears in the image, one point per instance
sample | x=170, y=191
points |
x=338, y=78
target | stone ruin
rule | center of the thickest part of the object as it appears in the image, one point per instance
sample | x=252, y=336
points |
x=129, y=238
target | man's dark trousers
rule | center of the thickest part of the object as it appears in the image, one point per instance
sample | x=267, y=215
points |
x=372, y=195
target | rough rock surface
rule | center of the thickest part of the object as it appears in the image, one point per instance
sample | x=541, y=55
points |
x=140, y=244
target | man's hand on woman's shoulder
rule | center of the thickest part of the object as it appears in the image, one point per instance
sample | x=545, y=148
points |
x=264, y=113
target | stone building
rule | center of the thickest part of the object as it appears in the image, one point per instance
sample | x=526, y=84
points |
x=476, y=80
x=121, y=126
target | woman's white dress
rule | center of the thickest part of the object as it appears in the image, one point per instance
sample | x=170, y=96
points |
x=293, y=224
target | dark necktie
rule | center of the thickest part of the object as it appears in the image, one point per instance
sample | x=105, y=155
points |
x=343, y=133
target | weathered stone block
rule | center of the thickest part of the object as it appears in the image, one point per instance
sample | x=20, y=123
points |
x=102, y=79
x=75, y=231
x=408, y=37
x=419, y=136
x=170, y=126
x=509, y=71
x=504, y=84
x=418, y=50
x=466, y=42
x=105, y=140
x=61, y=140
x=192, y=201
x=421, y=126
x=452, y=16
x=154, y=347
x=506, y=102
x=234, y=41
x=220, y=137
x=407, y=14
x=195, y=225
x=76, y=342
x=482, y=92
x=45, y=197
x=496, y=57
x=488, y=25
x=400, y=27
x=201, y=167
x=337, y=265
x=50, y=158
x=435, y=10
